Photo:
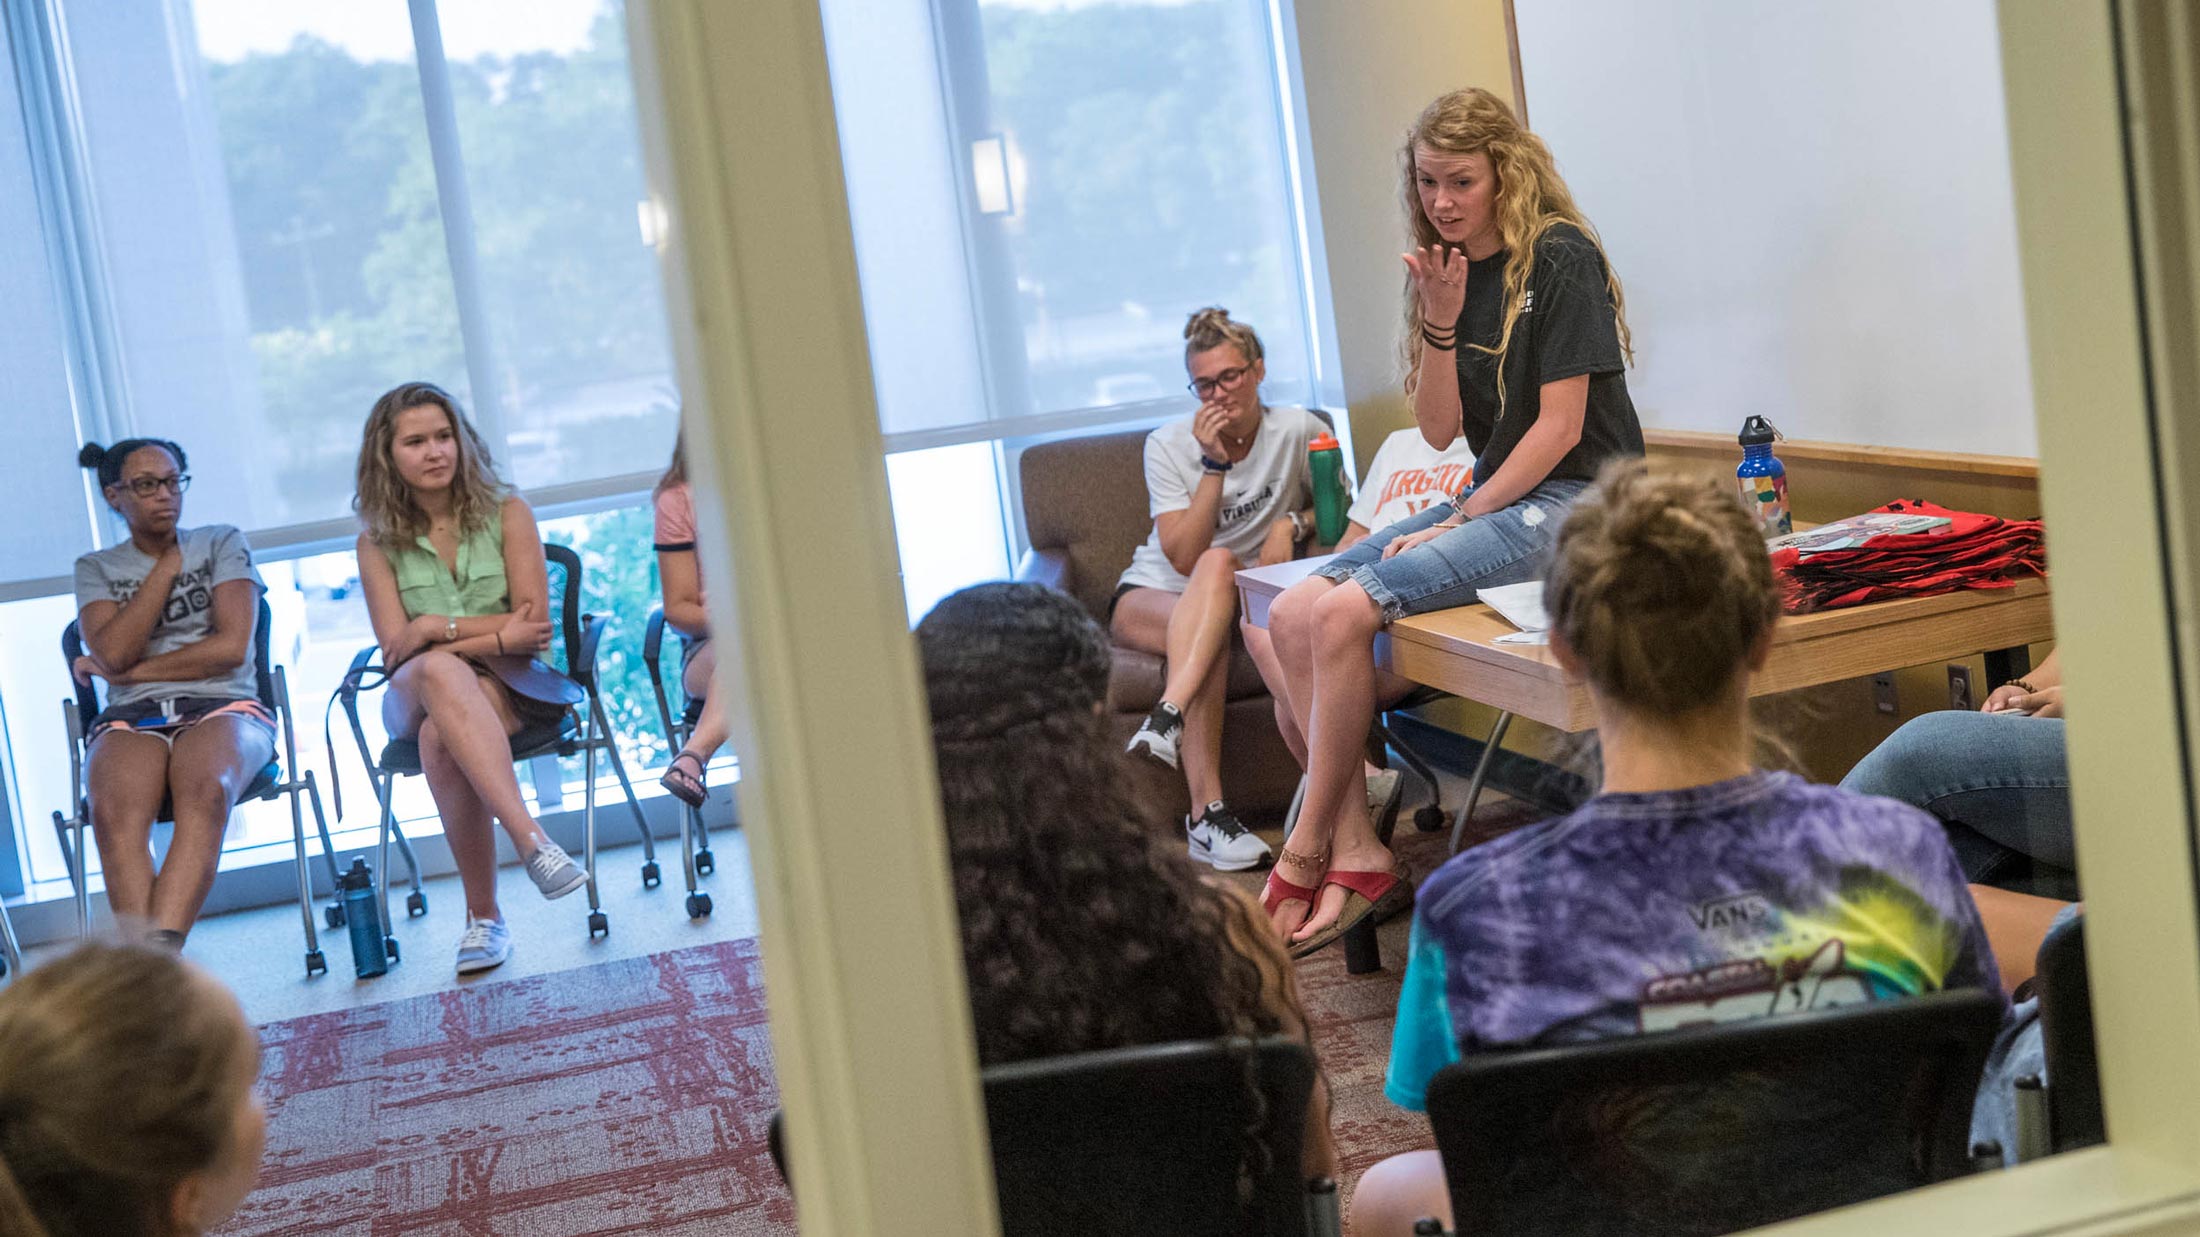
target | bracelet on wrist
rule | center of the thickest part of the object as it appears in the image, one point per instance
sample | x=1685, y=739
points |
x=1442, y=343
x=500, y=642
x=2027, y=686
x=1213, y=465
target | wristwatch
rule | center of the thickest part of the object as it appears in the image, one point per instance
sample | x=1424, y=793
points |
x=450, y=628
x=1298, y=526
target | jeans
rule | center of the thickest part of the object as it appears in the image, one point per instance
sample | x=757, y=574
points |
x=1999, y=784
x=1507, y=546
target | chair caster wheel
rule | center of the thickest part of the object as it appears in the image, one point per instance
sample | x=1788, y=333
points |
x=316, y=964
x=705, y=863
x=416, y=904
x=334, y=914
x=651, y=877
x=599, y=924
x=698, y=906
x=1428, y=819
x=389, y=947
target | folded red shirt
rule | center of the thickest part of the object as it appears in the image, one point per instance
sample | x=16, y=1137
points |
x=1972, y=551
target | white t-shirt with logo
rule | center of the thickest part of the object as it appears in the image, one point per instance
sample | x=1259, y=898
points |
x=1406, y=475
x=1269, y=483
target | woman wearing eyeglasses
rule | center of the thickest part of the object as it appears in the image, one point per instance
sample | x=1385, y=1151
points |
x=1228, y=488
x=167, y=620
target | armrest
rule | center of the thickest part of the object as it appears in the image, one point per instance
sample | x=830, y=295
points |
x=1049, y=567
x=653, y=638
x=583, y=660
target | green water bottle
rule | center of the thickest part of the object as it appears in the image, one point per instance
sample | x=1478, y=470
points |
x=1325, y=460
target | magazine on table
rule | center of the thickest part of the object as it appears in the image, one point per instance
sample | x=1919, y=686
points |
x=1857, y=530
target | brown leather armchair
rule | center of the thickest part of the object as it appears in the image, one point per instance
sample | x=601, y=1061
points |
x=1085, y=512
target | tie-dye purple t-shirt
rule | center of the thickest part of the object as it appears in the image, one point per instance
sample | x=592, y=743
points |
x=1650, y=912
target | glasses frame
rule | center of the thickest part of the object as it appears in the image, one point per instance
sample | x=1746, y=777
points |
x=146, y=487
x=1227, y=380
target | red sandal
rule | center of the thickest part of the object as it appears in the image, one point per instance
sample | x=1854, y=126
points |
x=1379, y=895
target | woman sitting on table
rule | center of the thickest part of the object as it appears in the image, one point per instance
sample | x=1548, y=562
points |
x=167, y=618
x=1997, y=779
x=451, y=564
x=1516, y=336
x=682, y=576
x=1228, y=488
x=1080, y=930
x=1694, y=888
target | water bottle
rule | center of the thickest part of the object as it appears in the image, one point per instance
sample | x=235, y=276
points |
x=1764, y=479
x=363, y=915
x=1325, y=460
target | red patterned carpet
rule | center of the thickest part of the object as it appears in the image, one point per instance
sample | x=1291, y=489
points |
x=633, y=1097
x=624, y=1098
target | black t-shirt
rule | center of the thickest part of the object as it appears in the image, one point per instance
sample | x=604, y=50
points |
x=1566, y=327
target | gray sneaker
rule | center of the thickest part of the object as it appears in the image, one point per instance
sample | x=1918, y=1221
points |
x=484, y=946
x=554, y=871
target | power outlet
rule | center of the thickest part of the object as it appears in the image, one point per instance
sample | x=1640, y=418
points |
x=1959, y=687
x=1883, y=697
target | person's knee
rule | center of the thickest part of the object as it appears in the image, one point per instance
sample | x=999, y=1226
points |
x=1894, y=768
x=1216, y=565
x=1346, y=616
x=198, y=793
x=1397, y=1192
x=437, y=673
x=1290, y=615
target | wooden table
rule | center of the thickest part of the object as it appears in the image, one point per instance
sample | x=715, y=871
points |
x=1455, y=650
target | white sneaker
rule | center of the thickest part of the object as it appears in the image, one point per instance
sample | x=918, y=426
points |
x=554, y=871
x=1156, y=735
x=484, y=946
x=1221, y=841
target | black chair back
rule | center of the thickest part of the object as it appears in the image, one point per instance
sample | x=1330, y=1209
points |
x=1148, y=1141
x=562, y=566
x=2066, y=1029
x=87, y=694
x=1713, y=1129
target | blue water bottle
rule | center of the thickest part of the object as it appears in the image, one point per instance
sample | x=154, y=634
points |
x=363, y=915
x=1764, y=479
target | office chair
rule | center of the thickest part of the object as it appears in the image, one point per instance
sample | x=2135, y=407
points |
x=268, y=784
x=695, y=856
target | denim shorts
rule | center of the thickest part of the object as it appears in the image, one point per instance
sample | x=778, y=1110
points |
x=1507, y=546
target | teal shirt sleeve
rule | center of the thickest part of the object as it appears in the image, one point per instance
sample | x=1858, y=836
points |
x=1422, y=1042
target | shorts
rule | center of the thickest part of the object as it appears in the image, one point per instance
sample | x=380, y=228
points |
x=165, y=719
x=1511, y=545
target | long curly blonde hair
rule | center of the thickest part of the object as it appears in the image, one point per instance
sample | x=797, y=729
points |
x=1531, y=196
x=385, y=504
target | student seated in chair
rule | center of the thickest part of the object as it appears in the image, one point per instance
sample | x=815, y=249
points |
x=451, y=564
x=1228, y=488
x=1080, y=931
x=682, y=574
x=167, y=620
x=1695, y=887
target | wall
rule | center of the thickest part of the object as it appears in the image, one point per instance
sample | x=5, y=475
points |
x=1810, y=206
x=1368, y=68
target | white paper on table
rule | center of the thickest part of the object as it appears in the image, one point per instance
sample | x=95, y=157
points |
x=1523, y=637
x=1518, y=604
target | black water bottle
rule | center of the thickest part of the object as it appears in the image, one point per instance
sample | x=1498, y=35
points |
x=363, y=915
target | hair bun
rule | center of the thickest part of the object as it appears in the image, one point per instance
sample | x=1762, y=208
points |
x=1211, y=319
x=92, y=456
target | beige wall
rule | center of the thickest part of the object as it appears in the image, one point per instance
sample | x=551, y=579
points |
x=1369, y=67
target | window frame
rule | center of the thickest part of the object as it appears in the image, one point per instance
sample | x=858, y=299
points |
x=905, y=1150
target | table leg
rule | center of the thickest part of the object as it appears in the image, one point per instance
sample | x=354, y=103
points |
x=2003, y=665
x=1481, y=775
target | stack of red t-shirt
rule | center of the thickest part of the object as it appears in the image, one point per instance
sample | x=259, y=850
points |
x=1971, y=551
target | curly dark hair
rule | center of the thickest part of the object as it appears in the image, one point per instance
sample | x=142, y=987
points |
x=1080, y=932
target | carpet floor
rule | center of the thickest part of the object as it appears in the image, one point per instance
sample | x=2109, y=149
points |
x=634, y=1096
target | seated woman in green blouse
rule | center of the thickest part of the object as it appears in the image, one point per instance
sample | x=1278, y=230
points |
x=451, y=564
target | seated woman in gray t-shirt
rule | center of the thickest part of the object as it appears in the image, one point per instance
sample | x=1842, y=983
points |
x=167, y=620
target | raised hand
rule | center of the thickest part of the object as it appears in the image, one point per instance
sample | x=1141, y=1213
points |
x=1207, y=426
x=1439, y=274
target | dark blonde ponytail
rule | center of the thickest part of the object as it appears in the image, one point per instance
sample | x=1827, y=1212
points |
x=1662, y=588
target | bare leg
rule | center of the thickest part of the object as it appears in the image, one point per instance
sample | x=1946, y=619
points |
x=1199, y=626
x=208, y=769
x=1200, y=748
x=710, y=726
x=1399, y=1191
x=128, y=774
x=1333, y=816
x=2016, y=925
x=476, y=725
x=467, y=827
x=1262, y=646
x=1291, y=632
